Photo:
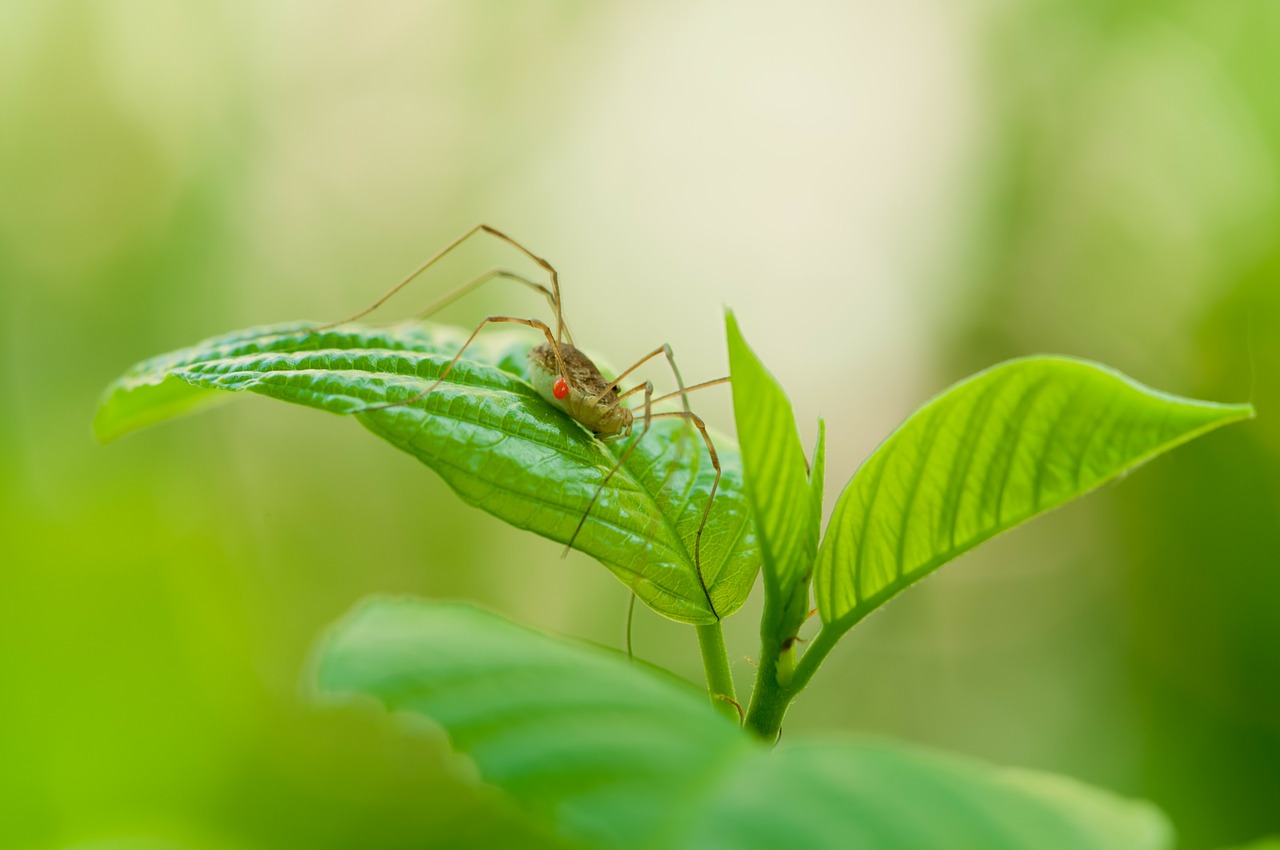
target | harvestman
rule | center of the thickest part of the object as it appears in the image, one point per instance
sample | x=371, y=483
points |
x=566, y=377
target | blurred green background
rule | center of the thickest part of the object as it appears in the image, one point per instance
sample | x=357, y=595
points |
x=890, y=196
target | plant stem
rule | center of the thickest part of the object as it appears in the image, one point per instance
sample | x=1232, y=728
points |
x=779, y=679
x=770, y=695
x=715, y=660
x=769, y=700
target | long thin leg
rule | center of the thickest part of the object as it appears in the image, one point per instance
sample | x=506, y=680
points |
x=663, y=349
x=649, y=416
x=715, y=461
x=562, y=332
x=683, y=392
x=702, y=386
x=687, y=390
x=631, y=615
x=531, y=323
x=675, y=370
x=690, y=417
x=479, y=281
x=626, y=453
x=637, y=388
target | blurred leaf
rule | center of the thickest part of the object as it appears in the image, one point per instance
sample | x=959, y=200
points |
x=776, y=480
x=880, y=795
x=493, y=439
x=1264, y=844
x=990, y=452
x=605, y=746
x=140, y=842
x=623, y=756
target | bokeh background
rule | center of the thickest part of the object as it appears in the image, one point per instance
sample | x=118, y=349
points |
x=890, y=195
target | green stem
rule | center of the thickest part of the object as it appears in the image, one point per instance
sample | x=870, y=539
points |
x=769, y=700
x=769, y=697
x=779, y=679
x=715, y=660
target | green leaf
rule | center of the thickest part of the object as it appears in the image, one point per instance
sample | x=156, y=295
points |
x=604, y=747
x=620, y=755
x=1264, y=844
x=878, y=795
x=777, y=481
x=493, y=439
x=817, y=473
x=990, y=452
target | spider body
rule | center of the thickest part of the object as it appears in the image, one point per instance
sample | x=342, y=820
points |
x=582, y=392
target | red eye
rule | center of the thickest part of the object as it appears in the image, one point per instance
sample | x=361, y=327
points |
x=560, y=388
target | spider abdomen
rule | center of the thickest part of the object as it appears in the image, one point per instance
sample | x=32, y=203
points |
x=590, y=399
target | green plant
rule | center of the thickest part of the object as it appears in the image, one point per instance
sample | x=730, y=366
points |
x=623, y=755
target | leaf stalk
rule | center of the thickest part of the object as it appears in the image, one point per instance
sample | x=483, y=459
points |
x=715, y=660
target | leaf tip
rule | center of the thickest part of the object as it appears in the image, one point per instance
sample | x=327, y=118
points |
x=1227, y=414
x=106, y=426
x=818, y=458
x=731, y=325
